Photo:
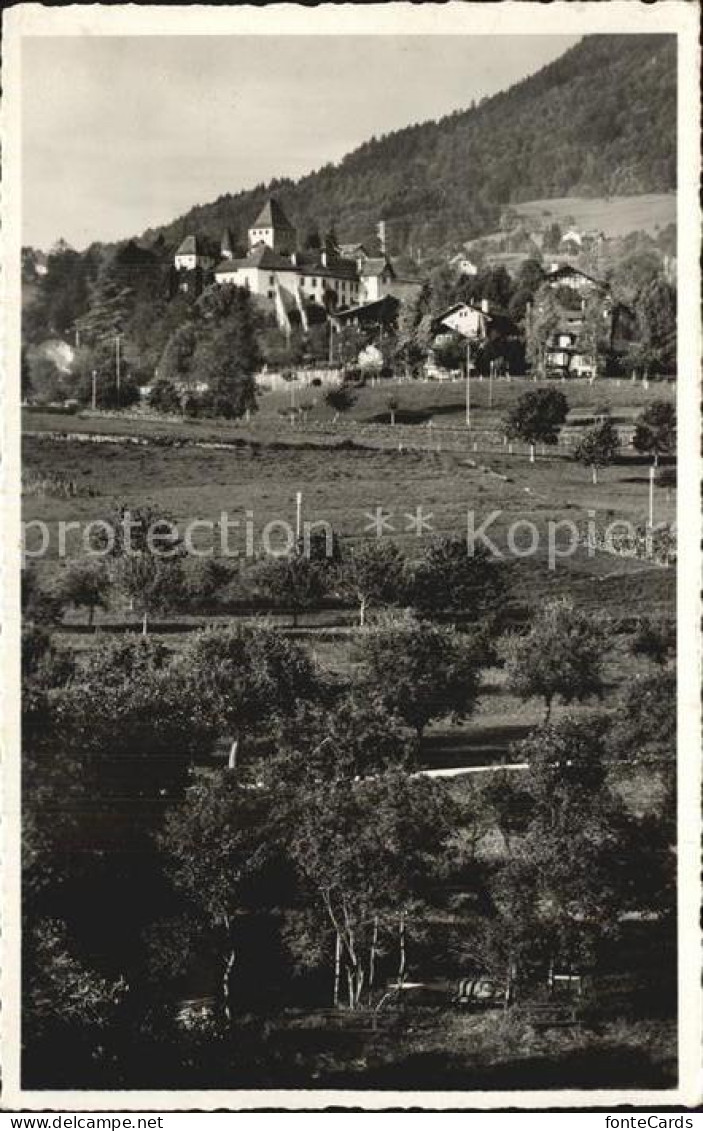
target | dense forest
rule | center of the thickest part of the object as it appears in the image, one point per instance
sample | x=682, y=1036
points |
x=599, y=121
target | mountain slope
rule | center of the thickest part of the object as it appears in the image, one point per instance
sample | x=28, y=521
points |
x=600, y=120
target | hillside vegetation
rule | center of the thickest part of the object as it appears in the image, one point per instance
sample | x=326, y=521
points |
x=599, y=121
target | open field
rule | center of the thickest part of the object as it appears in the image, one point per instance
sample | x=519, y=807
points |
x=614, y=216
x=344, y=476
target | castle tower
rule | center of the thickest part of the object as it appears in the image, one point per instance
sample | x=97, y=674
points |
x=273, y=228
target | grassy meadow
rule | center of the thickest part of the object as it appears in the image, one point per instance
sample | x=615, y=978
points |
x=346, y=469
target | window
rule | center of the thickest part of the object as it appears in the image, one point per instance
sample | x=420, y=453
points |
x=272, y=280
x=270, y=294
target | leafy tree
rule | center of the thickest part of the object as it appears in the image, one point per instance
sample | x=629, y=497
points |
x=134, y=733
x=569, y=875
x=372, y=574
x=176, y=364
x=63, y=294
x=40, y=605
x=414, y=332
x=164, y=397
x=293, y=581
x=44, y=665
x=655, y=430
x=537, y=417
x=227, y=355
x=552, y=237
x=68, y=1008
x=541, y=323
x=598, y=447
x=352, y=738
x=647, y=718
x=656, y=311
x=450, y=352
x=96, y=366
x=418, y=670
x=340, y=399
x=654, y=639
x=561, y=656
x=248, y=677
x=150, y=583
x=216, y=844
x=45, y=380
x=368, y=850
x=450, y=578
x=594, y=335
x=148, y=554
x=85, y=583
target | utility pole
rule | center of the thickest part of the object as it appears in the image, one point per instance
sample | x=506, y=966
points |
x=468, y=384
x=651, y=498
x=117, y=367
x=94, y=398
x=298, y=517
x=490, y=386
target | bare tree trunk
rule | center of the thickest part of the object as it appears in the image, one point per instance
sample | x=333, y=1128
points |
x=401, y=949
x=594, y=471
x=548, y=711
x=233, y=753
x=145, y=623
x=362, y=612
x=372, y=957
x=91, y=615
x=228, y=971
x=337, y=968
x=532, y=453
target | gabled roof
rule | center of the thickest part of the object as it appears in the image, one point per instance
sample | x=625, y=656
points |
x=386, y=307
x=192, y=245
x=373, y=267
x=565, y=270
x=272, y=216
x=350, y=250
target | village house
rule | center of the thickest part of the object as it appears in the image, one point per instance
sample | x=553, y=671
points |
x=564, y=275
x=193, y=253
x=463, y=264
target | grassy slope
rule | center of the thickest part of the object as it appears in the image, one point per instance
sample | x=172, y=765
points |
x=614, y=216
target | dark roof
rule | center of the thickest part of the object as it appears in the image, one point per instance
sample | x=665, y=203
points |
x=267, y=260
x=565, y=270
x=272, y=216
x=351, y=249
x=375, y=266
x=262, y=257
x=380, y=307
x=192, y=245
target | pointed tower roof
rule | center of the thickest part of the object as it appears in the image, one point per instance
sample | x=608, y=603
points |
x=272, y=216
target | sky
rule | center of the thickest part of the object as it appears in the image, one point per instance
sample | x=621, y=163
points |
x=123, y=133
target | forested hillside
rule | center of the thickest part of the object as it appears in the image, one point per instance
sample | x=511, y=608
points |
x=599, y=121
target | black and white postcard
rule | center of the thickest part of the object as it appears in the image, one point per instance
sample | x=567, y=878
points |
x=351, y=537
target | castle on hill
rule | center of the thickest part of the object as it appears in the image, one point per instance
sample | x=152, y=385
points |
x=300, y=286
